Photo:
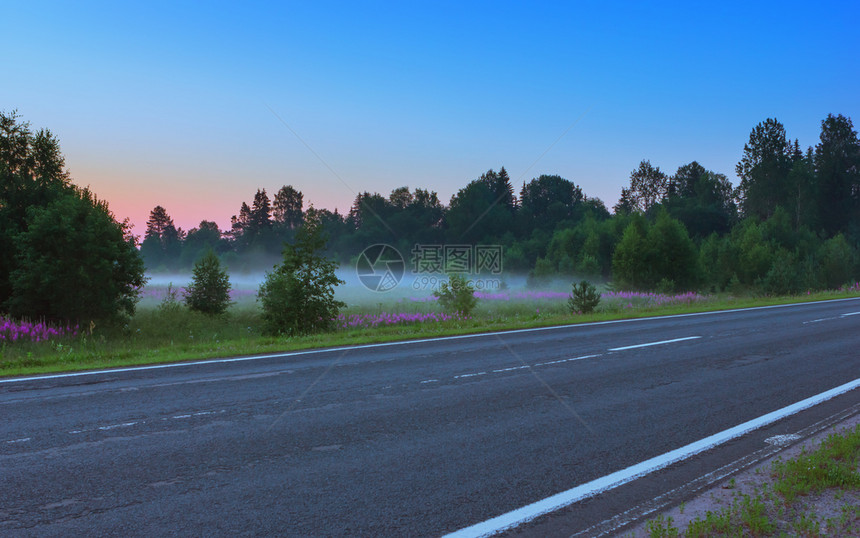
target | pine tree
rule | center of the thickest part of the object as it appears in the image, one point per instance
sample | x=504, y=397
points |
x=209, y=291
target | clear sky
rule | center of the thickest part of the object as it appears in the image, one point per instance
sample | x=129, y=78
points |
x=178, y=104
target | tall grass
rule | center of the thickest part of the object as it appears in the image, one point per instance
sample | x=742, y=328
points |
x=164, y=330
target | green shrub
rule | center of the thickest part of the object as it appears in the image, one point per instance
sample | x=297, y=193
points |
x=170, y=303
x=457, y=295
x=584, y=298
x=298, y=295
x=209, y=291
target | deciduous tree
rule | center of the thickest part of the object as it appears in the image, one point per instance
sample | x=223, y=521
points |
x=298, y=295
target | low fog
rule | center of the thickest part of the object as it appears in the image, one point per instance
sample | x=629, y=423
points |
x=355, y=292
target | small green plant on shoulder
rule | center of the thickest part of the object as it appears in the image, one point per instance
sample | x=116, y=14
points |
x=209, y=291
x=170, y=303
x=754, y=516
x=661, y=527
x=715, y=523
x=457, y=295
x=584, y=298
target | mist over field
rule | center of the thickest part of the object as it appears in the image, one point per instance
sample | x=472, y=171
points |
x=412, y=288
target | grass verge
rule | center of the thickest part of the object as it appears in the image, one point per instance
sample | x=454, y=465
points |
x=812, y=494
x=161, y=335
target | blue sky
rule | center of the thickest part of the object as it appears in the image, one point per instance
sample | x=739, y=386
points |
x=172, y=103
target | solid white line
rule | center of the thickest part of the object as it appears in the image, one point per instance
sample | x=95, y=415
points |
x=655, y=343
x=404, y=342
x=618, y=478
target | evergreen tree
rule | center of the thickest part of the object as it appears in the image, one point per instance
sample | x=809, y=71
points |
x=162, y=244
x=763, y=171
x=837, y=167
x=209, y=291
x=158, y=223
x=501, y=188
x=261, y=213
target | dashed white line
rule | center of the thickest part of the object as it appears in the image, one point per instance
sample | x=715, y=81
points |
x=470, y=375
x=113, y=426
x=655, y=343
x=567, y=360
x=817, y=320
x=407, y=342
x=511, y=369
x=136, y=422
x=849, y=314
x=430, y=381
x=21, y=440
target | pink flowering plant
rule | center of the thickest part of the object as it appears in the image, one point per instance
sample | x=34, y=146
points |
x=12, y=331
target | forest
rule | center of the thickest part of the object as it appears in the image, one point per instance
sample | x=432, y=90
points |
x=791, y=223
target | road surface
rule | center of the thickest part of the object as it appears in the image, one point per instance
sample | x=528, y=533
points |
x=410, y=439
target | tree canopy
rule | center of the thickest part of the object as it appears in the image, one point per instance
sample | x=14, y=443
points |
x=63, y=255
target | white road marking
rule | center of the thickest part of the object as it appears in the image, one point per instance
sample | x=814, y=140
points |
x=567, y=360
x=405, y=342
x=430, y=381
x=123, y=425
x=817, y=320
x=529, y=512
x=128, y=424
x=22, y=440
x=782, y=440
x=470, y=375
x=655, y=343
x=512, y=368
x=849, y=314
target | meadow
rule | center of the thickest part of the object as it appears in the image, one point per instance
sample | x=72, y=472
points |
x=164, y=330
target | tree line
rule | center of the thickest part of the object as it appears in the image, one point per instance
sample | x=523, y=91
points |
x=791, y=223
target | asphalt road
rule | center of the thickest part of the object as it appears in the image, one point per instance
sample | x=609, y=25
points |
x=413, y=439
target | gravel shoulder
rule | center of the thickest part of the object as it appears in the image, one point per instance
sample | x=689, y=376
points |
x=833, y=512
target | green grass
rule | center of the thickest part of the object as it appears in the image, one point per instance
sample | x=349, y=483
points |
x=780, y=509
x=833, y=465
x=160, y=335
